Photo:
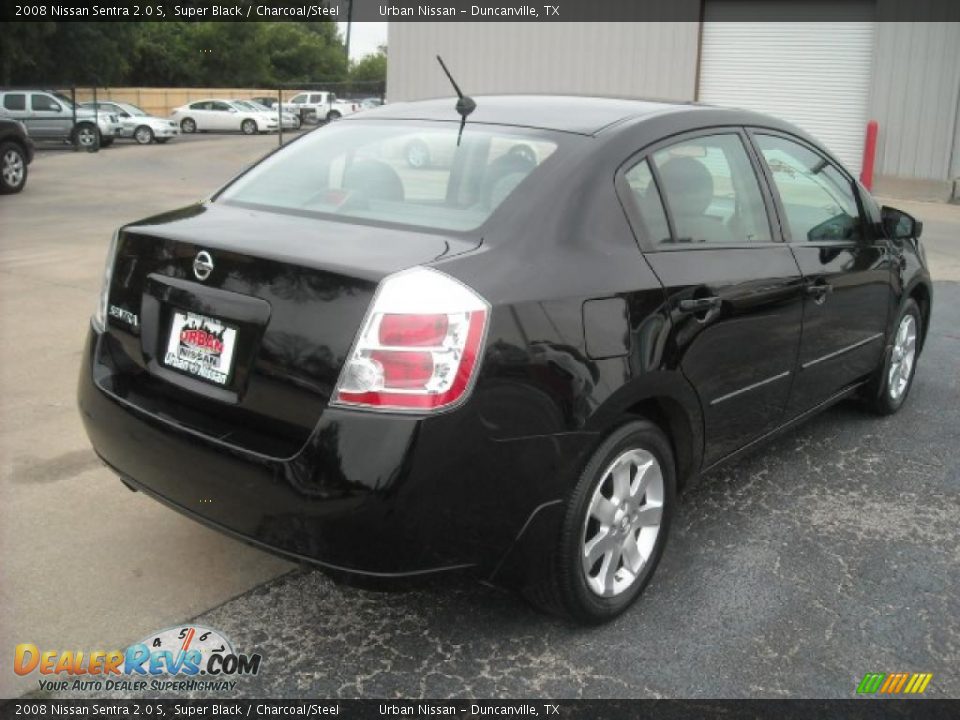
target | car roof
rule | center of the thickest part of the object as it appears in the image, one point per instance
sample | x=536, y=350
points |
x=586, y=115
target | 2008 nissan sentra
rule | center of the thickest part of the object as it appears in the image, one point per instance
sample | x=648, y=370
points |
x=509, y=364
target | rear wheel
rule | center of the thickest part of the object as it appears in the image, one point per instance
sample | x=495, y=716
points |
x=188, y=125
x=85, y=135
x=249, y=127
x=893, y=379
x=13, y=168
x=614, y=528
x=333, y=115
x=105, y=141
x=143, y=135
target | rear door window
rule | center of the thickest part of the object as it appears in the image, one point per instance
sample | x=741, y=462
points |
x=711, y=191
x=15, y=101
x=647, y=202
x=817, y=198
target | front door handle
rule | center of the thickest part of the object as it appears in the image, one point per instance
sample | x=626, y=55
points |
x=699, y=305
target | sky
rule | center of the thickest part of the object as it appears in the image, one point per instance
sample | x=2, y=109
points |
x=364, y=37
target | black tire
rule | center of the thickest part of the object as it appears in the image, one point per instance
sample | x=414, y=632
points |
x=13, y=168
x=333, y=115
x=566, y=592
x=143, y=135
x=880, y=397
x=417, y=154
x=188, y=126
x=249, y=127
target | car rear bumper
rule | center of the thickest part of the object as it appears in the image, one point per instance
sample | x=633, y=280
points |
x=369, y=493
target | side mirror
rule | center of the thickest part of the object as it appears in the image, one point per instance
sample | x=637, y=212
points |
x=898, y=225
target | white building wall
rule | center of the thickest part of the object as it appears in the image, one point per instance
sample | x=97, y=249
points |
x=651, y=60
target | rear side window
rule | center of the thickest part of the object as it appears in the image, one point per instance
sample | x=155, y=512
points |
x=817, y=198
x=15, y=101
x=398, y=172
x=200, y=106
x=711, y=191
x=646, y=197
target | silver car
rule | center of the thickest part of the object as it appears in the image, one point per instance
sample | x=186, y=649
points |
x=49, y=115
x=288, y=119
x=136, y=123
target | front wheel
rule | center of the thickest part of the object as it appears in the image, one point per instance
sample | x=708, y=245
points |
x=893, y=379
x=188, y=126
x=143, y=135
x=614, y=529
x=249, y=127
x=13, y=168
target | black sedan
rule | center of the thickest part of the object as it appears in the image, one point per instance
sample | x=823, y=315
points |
x=508, y=365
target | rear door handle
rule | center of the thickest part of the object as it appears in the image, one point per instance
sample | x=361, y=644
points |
x=698, y=305
x=819, y=289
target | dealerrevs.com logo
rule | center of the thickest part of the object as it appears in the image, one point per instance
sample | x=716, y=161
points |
x=178, y=659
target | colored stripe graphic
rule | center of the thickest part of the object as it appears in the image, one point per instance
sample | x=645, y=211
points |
x=894, y=683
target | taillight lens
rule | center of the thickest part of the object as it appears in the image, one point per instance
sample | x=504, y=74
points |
x=419, y=347
x=100, y=314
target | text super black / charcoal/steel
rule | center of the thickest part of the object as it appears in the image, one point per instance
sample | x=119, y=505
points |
x=409, y=351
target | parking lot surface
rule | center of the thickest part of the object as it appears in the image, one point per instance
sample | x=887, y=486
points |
x=832, y=552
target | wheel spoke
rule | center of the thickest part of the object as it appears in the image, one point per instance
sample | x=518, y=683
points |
x=603, y=510
x=647, y=473
x=621, y=480
x=649, y=515
x=608, y=571
x=597, y=546
x=632, y=558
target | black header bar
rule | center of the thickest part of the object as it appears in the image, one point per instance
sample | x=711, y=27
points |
x=474, y=10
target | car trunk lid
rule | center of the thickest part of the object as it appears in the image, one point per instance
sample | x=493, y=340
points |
x=249, y=354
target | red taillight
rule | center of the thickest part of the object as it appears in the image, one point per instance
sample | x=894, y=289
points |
x=416, y=330
x=404, y=370
x=407, y=355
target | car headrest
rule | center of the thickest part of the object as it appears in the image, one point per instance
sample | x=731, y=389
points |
x=688, y=185
x=375, y=179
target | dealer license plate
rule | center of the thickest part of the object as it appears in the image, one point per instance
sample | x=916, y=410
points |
x=201, y=346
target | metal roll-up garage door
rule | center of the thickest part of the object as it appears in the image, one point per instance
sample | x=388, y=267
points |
x=813, y=74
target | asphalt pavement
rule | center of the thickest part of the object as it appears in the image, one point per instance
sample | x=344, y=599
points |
x=827, y=554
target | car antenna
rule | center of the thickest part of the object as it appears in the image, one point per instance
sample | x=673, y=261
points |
x=465, y=104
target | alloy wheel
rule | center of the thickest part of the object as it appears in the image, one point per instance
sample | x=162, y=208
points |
x=13, y=168
x=86, y=136
x=904, y=355
x=143, y=135
x=622, y=523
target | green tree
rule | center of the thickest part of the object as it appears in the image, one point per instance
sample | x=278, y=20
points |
x=19, y=58
x=370, y=68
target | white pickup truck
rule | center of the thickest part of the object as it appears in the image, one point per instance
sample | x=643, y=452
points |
x=319, y=105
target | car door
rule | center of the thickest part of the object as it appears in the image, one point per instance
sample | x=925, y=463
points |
x=223, y=116
x=48, y=118
x=201, y=114
x=733, y=289
x=128, y=123
x=15, y=105
x=847, y=269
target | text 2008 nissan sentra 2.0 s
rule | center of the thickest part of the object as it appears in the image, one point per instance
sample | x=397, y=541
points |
x=508, y=360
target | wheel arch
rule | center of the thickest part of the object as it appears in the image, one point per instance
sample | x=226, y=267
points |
x=921, y=293
x=669, y=403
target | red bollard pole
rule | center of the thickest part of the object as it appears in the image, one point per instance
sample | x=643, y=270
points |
x=869, y=155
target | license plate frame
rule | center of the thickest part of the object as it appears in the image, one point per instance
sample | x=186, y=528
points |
x=201, y=346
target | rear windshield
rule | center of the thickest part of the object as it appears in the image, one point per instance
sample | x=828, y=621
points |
x=398, y=172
